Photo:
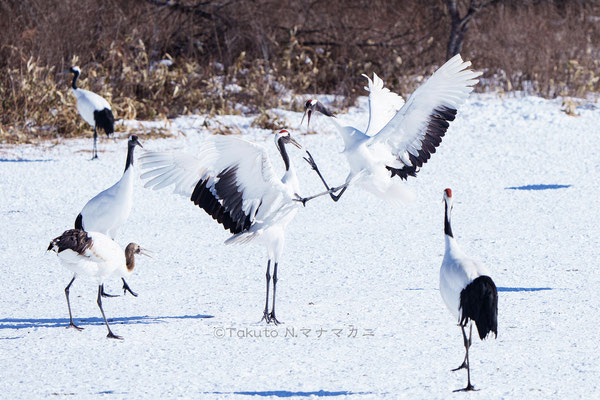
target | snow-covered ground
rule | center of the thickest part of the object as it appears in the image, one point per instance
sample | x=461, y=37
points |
x=358, y=288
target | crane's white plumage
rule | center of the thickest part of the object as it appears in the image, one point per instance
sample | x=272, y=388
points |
x=467, y=289
x=235, y=163
x=447, y=88
x=234, y=182
x=402, y=144
x=383, y=104
x=94, y=109
x=458, y=270
x=108, y=210
x=88, y=102
x=96, y=255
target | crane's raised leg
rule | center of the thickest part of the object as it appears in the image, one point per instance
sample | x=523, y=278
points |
x=266, y=316
x=95, y=151
x=310, y=160
x=110, y=334
x=71, y=323
x=467, y=345
x=272, y=316
x=126, y=288
x=304, y=200
x=104, y=294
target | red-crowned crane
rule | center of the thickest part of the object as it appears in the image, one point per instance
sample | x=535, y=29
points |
x=96, y=255
x=108, y=210
x=467, y=289
x=94, y=109
x=233, y=181
x=400, y=138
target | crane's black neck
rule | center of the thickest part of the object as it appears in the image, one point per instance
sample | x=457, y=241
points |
x=284, y=154
x=447, y=227
x=130, y=149
x=76, y=75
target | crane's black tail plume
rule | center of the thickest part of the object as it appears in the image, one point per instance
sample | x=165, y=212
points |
x=79, y=222
x=105, y=120
x=479, y=303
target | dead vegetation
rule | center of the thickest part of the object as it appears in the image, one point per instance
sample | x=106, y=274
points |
x=157, y=59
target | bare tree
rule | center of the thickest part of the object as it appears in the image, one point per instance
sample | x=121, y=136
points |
x=460, y=24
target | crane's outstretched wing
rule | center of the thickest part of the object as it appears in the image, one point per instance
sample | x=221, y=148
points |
x=413, y=134
x=229, y=179
x=383, y=104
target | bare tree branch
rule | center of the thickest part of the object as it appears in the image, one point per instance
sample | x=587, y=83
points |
x=460, y=24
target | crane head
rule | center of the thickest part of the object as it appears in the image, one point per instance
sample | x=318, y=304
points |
x=448, y=197
x=134, y=249
x=133, y=141
x=284, y=137
x=309, y=107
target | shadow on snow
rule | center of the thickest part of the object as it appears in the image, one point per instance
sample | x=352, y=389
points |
x=22, y=160
x=287, y=393
x=23, y=323
x=522, y=289
x=538, y=187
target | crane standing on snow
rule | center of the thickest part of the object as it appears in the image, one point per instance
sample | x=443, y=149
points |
x=234, y=182
x=94, y=109
x=94, y=254
x=403, y=138
x=467, y=289
x=108, y=210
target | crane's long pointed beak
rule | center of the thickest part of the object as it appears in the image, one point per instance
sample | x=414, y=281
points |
x=146, y=252
x=137, y=143
x=307, y=111
x=293, y=141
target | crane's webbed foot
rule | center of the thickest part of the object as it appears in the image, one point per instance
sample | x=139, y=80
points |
x=266, y=317
x=273, y=319
x=72, y=325
x=469, y=388
x=311, y=161
x=463, y=365
x=113, y=336
x=104, y=294
x=126, y=289
x=300, y=199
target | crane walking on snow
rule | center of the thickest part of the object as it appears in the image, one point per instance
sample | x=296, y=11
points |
x=468, y=291
x=94, y=109
x=108, y=210
x=399, y=137
x=96, y=255
x=234, y=182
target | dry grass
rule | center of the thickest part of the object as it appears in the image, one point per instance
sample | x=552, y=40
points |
x=259, y=53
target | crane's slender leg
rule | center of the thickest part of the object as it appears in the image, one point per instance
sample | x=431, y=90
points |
x=467, y=345
x=71, y=323
x=95, y=152
x=104, y=294
x=126, y=288
x=272, y=316
x=310, y=160
x=469, y=386
x=266, y=316
x=303, y=200
x=110, y=334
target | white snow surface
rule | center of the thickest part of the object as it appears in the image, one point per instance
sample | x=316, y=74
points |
x=525, y=179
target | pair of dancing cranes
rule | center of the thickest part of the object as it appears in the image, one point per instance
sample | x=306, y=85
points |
x=234, y=182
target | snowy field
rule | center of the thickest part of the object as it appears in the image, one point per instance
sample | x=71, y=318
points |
x=358, y=290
